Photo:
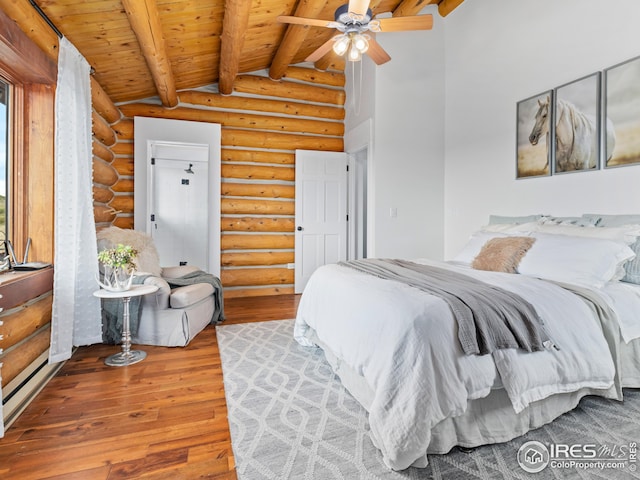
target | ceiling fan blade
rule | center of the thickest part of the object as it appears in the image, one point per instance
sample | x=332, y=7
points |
x=377, y=53
x=321, y=51
x=399, y=24
x=313, y=22
x=358, y=7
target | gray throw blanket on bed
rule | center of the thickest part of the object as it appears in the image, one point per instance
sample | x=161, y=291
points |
x=488, y=317
x=609, y=324
x=203, y=277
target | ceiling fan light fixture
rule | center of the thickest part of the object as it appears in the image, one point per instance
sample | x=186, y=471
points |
x=353, y=44
x=341, y=44
x=354, y=20
x=343, y=15
x=374, y=25
x=355, y=55
x=360, y=42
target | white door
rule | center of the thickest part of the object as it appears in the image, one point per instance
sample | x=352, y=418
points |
x=179, y=203
x=358, y=204
x=321, y=212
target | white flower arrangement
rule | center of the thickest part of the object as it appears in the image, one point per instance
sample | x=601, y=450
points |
x=122, y=256
x=118, y=267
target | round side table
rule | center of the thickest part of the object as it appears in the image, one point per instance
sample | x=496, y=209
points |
x=126, y=356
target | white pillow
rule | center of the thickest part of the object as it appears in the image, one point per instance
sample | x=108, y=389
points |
x=627, y=233
x=474, y=245
x=515, y=228
x=584, y=261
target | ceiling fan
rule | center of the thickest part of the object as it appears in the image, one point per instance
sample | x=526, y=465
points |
x=353, y=21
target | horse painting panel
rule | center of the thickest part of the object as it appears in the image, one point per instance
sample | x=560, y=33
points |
x=623, y=108
x=577, y=141
x=577, y=126
x=533, y=141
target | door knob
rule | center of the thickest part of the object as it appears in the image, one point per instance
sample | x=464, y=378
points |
x=300, y=229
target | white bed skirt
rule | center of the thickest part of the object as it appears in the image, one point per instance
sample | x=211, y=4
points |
x=487, y=420
x=630, y=363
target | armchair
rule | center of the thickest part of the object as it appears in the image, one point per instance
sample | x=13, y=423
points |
x=187, y=299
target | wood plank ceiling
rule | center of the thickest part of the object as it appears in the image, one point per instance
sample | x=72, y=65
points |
x=145, y=48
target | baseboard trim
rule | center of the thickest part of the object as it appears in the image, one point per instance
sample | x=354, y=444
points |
x=20, y=391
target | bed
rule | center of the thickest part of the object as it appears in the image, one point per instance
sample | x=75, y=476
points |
x=396, y=349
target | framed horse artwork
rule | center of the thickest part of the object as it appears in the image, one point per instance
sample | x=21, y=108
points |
x=533, y=145
x=576, y=114
x=622, y=110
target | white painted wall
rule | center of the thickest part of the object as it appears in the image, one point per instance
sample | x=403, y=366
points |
x=404, y=101
x=499, y=52
x=179, y=131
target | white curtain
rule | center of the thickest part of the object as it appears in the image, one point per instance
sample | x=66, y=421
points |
x=76, y=312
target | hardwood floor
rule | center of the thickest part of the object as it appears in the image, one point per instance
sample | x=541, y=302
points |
x=164, y=417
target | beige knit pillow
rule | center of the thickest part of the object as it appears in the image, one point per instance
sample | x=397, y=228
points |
x=502, y=254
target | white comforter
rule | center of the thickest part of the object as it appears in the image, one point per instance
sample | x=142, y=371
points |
x=404, y=343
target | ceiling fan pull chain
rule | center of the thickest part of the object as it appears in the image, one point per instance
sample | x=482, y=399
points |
x=356, y=100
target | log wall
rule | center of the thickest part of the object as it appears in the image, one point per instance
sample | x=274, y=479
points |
x=263, y=123
x=25, y=321
x=108, y=198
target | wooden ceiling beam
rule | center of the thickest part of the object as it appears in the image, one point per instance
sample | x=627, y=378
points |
x=145, y=21
x=42, y=35
x=331, y=61
x=234, y=28
x=33, y=25
x=293, y=38
x=412, y=7
x=373, y=5
x=445, y=7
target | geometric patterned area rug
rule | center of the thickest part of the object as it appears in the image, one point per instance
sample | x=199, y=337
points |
x=291, y=418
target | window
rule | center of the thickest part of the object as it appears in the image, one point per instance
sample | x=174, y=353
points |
x=27, y=89
x=4, y=162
